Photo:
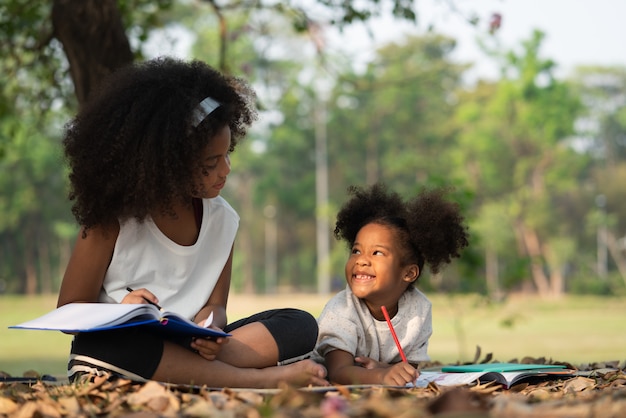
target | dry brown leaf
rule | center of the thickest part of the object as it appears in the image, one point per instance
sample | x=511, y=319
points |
x=456, y=400
x=189, y=397
x=293, y=398
x=200, y=408
x=557, y=411
x=28, y=410
x=148, y=391
x=21, y=389
x=219, y=399
x=599, y=393
x=486, y=388
x=158, y=403
x=7, y=406
x=618, y=382
x=610, y=406
x=540, y=394
x=47, y=409
x=69, y=406
x=252, y=413
x=379, y=404
x=249, y=397
x=89, y=386
x=476, y=354
x=31, y=373
x=578, y=384
x=434, y=388
x=155, y=397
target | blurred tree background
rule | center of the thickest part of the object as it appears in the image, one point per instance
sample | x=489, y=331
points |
x=536, y=162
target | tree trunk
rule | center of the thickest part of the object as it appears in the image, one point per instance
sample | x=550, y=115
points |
x=243, y=186
x=30, y=270
x=491, y=275
x=45, y=269
x=614, y=249
x=533, y=249
x=371, y=159
x=94, y=41
x=65, y=251
x=557, y=283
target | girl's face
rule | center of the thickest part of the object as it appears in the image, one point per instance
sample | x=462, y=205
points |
x=215, y=165
x=374, y=270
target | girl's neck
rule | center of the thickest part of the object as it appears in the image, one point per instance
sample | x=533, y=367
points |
x=377, y=312
x=182, y=227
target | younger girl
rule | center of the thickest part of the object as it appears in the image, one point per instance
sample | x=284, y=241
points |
x=148, y=157
x=390, y=241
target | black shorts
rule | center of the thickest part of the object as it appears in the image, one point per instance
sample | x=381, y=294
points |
x=135, y=352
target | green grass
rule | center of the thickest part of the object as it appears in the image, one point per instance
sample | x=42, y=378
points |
x=575, y=329
x=20, y=350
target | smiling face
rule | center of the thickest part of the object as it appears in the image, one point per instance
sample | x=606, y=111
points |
x=375, y=270
x=215, y=165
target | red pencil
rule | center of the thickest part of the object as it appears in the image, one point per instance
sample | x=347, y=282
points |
x=393, y=334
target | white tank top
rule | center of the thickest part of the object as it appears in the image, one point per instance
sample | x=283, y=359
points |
x=182, y=277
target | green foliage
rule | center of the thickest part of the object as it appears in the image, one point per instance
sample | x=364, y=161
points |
x=518, y=155
x=350, y=12
x=397, y=116
x=589, y=284
x=144, y=15
x=33, y=64
x=513, y=149
x=32, y=180
x=32, y=202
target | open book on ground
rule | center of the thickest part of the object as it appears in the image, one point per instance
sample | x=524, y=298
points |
x=90, y=317
x=507, y=374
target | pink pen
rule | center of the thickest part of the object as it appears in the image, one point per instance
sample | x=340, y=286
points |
x=393, y=334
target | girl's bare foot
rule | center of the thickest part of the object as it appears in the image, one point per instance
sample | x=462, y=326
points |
x=301, y=373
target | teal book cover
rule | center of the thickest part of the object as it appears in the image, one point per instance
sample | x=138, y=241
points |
x=500, y=367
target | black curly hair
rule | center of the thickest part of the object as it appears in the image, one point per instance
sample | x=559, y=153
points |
x=429, y=227
x=133, y=148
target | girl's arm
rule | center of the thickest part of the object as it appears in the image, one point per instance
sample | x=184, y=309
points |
x=88, y=264
x=210, y=348
x=219, y=297
x=343, y=370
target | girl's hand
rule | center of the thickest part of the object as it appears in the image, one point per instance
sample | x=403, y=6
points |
x=209, y=348
x=400, y=374
x=141, y=296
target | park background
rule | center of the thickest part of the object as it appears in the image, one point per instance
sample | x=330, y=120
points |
x=534, y=150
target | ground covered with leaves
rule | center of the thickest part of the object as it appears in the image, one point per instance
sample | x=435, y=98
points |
x=600, y=391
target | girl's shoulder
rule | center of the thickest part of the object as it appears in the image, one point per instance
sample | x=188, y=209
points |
x=345, y=304
x=218, y=203
x=101, y=234
x=415, y=296
x=339, y=302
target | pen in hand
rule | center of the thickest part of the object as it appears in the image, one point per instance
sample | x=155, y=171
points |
x=393, y=333
x=147, y=300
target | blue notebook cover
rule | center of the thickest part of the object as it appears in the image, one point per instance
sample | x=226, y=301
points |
x=500, y=367
x=92, y=317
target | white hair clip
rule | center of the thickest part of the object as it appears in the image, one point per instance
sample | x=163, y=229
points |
x=204, y=109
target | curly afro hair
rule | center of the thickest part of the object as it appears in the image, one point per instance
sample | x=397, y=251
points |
x=133, y=148
x=429, y=227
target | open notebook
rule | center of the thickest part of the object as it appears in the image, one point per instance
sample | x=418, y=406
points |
x=507, y=374
x=91, y=317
